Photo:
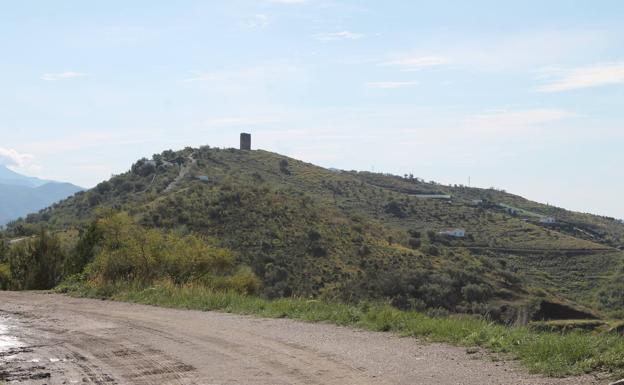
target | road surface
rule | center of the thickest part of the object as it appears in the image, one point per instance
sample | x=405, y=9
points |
x=53, y=339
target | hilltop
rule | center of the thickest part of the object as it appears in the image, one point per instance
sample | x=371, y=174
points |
x=310, y=231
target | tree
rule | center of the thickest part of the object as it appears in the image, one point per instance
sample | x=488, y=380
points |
x=283, y=165
x=35, y=264
x=84, y=251
x=395, y=208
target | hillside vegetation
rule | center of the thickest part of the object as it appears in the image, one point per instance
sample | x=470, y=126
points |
x=114, y=249
x=307, y=231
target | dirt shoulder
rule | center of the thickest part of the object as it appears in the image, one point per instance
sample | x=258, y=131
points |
x=61, y=340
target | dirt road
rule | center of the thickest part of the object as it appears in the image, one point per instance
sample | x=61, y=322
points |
x=52, y=339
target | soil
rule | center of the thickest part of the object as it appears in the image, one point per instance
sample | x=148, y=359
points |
x=53, y=339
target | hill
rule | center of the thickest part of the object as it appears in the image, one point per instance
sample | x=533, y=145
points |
x=21, y=195
x=310, y=231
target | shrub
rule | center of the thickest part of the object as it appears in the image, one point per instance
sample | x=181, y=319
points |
x=5, y=277
x=35, y=264
x=244, y=281
x=475, y=293
x=414, y=243
x=283, y=166
x=128, y=252
x=396, y=209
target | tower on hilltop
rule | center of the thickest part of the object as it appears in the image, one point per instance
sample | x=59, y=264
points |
x=245, y=141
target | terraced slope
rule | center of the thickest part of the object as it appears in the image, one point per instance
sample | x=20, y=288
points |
x=307, y=230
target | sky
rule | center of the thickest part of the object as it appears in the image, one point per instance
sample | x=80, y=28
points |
x=525, y=96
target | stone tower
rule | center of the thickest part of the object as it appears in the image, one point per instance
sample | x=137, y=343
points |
x=245, y=141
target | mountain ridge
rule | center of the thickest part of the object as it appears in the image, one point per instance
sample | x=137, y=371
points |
x=21, y=195
x=10, y=177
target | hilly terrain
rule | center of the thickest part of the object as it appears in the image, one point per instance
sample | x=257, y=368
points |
x=309, y=231
x=21, y=195
x=10, y=177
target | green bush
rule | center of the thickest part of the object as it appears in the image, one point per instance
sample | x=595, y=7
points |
x=36, y=263
x=128, y=252
x=475, y=293
x=5, y=277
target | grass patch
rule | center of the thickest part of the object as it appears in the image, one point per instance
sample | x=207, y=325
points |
x=549, y=353
x=570, y=325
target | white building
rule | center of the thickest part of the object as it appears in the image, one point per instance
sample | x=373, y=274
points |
x=432, y=196
x=548, y=220
x=457, y=233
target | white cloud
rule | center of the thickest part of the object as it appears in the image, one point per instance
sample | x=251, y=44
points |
x=390, y=85
x=91, y=139
x=10, y=157
x=582, y=77
x=244, y=80
x=239, y=121
x=504, y=121
x=239, y=75
x=416, y=63
x=62, y=75
x=524, y=51
x=342, y=35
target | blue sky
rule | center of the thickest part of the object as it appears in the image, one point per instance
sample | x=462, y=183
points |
x=527, y=97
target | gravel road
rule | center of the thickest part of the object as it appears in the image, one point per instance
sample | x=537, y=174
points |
x=53, y=339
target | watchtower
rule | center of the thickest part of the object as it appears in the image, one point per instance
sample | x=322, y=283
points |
x=245, y=141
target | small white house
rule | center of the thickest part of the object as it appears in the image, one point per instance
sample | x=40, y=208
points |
x=203, y=178
x=456, y=232
x=548, y=220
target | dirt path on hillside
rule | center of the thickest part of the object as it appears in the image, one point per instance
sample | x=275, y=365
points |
x=184, y=170
x=53, y=339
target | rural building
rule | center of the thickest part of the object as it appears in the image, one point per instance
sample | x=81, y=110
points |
x=477, y=202
x=245, y=141
x=454, y=232
x=203, y=178
x=432, y=196
x=548, y=220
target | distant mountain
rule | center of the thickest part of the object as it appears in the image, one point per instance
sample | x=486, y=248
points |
x=10, y=177
x=21, y=195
